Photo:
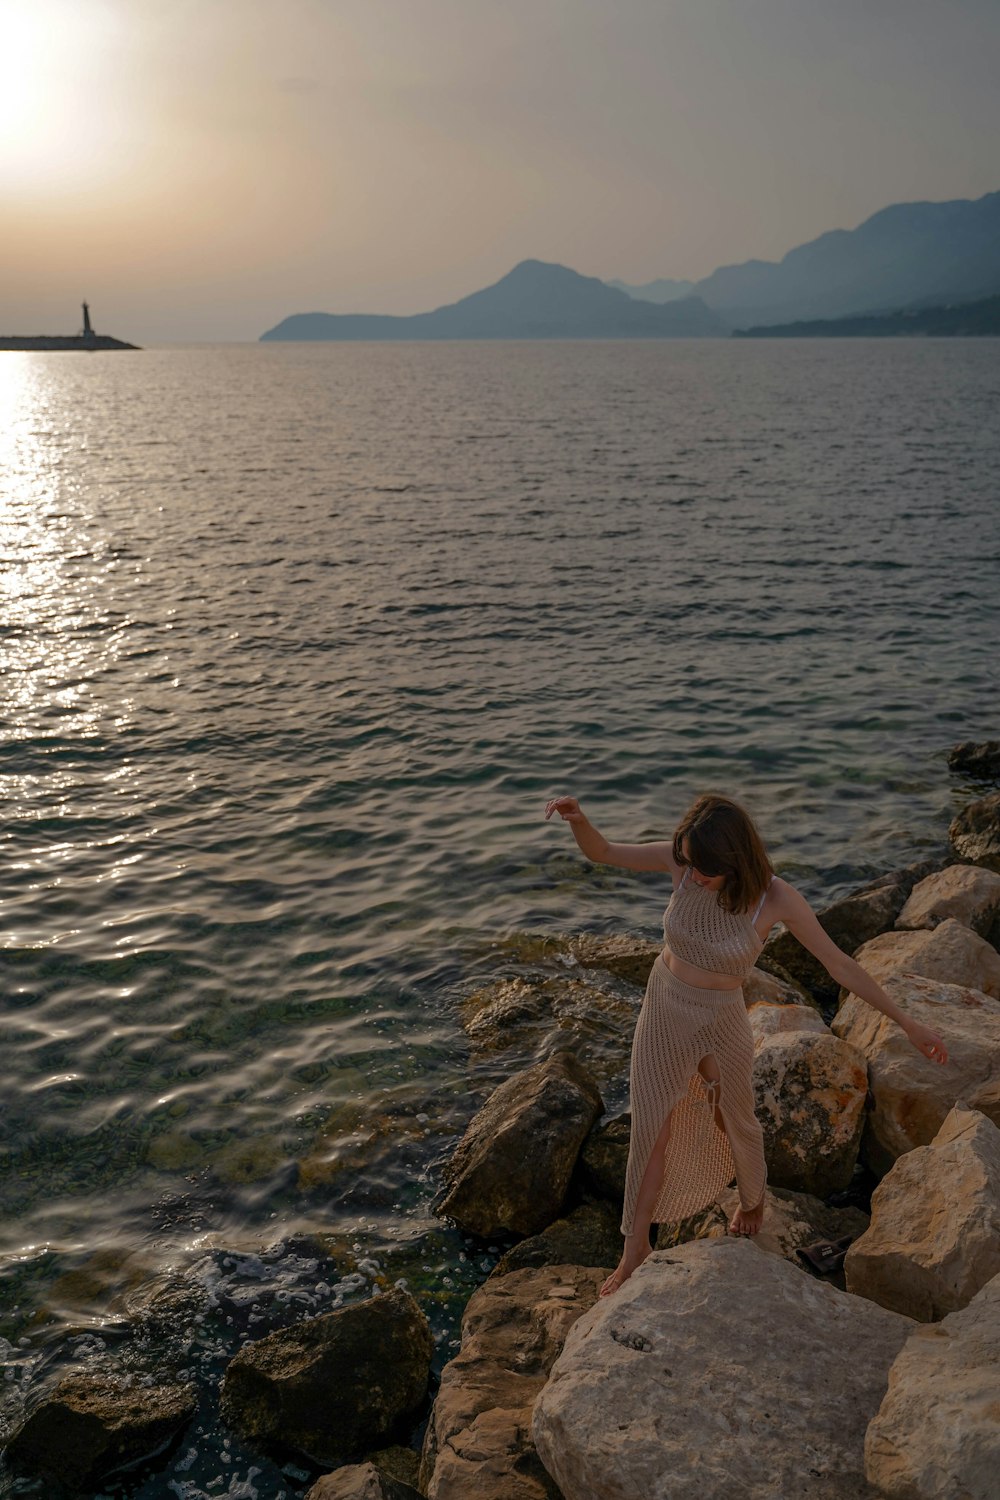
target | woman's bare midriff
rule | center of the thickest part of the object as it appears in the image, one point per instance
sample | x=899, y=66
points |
x=699, y=979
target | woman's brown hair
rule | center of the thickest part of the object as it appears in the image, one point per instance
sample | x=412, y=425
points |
x=723, y=840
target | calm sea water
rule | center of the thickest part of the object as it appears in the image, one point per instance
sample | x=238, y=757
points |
x=296, y=642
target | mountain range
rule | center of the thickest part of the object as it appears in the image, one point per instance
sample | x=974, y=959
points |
x=908, y=256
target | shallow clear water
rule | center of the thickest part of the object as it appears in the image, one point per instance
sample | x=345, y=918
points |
x=296, y=642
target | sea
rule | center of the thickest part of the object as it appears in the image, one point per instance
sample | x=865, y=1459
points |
x=296, y=642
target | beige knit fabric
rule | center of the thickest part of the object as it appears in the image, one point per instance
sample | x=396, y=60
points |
x=703, y=933
x=680, y=1024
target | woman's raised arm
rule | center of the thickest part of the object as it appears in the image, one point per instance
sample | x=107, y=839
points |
x=653, y=856
x=798, y=916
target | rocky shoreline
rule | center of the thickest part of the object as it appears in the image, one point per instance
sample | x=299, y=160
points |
x=723, y=1366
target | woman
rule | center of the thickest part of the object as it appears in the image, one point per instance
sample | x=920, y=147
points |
x=693, y=1122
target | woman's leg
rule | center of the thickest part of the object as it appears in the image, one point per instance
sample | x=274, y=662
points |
x=745, y=1221
x=637, y=1245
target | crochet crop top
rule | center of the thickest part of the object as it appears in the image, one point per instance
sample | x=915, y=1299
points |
x=700, y=931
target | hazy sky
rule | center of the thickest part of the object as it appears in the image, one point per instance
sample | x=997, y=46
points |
x=200, y=169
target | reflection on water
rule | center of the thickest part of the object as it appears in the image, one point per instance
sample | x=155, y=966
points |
x=296, y=641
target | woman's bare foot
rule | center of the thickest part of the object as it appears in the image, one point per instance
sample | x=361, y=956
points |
x=747, y=1221
x=637, y=1247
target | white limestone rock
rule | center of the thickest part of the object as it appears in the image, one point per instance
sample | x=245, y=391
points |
x=912, y=1094
x=951, y=952
x=717, y=1371
x=936, y=1435
x=967, y=893
x=934, y=1237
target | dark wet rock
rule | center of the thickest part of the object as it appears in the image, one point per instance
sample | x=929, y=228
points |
x=626, y=957
x=511, y=1170
x=361, y=1482
x=397, y=1463
x=854, y=920
x=975, y=833
x=334, y=1385
x=980, y=760
x=589, y=1236
x=90, y=1427
x=478, y=1442
x=604, y=1158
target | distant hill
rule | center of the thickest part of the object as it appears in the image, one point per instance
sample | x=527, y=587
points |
x=662, y=290
x=908, y=254
x=962, y=320
x=535, y=300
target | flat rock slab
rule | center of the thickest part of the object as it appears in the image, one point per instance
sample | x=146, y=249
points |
x=478, y=1440
x=912, y=1094
x=716, y=1371
x=936, y=1435
x=510, y=1171
x=934, y=1237
x=90, y=1426
x=333, y=1386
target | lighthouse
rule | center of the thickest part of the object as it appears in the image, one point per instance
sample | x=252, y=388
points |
x=88, y=332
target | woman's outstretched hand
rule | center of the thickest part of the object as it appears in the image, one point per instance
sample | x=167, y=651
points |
x=567, y=807
x=927, y=1041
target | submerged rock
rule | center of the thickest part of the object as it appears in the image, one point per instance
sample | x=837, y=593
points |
x=912, y=1095
x=334, y=1385
x=981, y=760
x=478, y=1440
x=717, y=1370
x=90, y=1427
x=975, y=833
x=510, y=1172
x=935, y=1436
x=934, y=1238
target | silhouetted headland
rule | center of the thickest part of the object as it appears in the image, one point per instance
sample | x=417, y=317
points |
x=85, y=339
x=962, y=320
x=533, y=301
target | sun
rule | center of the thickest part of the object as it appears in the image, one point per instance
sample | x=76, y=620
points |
x=55, y=55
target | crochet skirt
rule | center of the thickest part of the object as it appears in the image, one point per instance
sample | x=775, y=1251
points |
x=679, y=1025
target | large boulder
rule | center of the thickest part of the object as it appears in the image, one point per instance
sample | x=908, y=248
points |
x=361, y=1482
x=975, y=833
x=911, y=1094
x=510, y=1171
x=951, y=951
x=854, y=920
x=809, y=1096
x=90, y=1426
x=478, y=1440
x=716, y=1371
x=964, y=893
x=934, y=1237
x=979, y=759
x=335, y=1385
x=936, y=1435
